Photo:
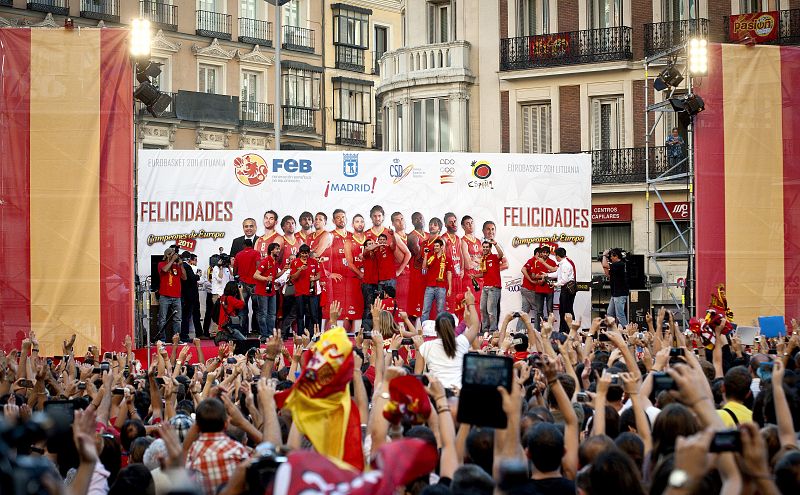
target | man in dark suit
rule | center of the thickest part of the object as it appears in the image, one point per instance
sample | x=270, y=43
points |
x=190, y=298
x=249, y=227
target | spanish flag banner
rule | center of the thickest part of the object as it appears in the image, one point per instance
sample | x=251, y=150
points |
x=320, y=400
x=66, y=187
x=748, y=180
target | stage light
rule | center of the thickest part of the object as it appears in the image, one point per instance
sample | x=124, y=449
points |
x=140, y=38
x=147, y=70
x=690, y=104
x=154, y=100
x=669, y=77
x=698, y=56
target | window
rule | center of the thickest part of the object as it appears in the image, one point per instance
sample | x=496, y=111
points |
x=533, y=17
x=248, y=9
x=351, y=26
x=668, y=239
x=250, y=85
x=351, y=101
x=208, y=6
x=439, y=28
x=381, y=41
x=291, y=13
x=210, y=80
x=750, y=6
x=162, y=81
x=608, y=123
x=301, y=88
x=678, y=10
x=604, y=13
x=431, y=125
x=399, y=123
x=611, y=235
x=536, y=128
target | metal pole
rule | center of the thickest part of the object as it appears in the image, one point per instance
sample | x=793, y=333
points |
x=690, y=180
x=277, y=109
x=647, y=177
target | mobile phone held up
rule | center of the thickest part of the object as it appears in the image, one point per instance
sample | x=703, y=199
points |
x=480, y=403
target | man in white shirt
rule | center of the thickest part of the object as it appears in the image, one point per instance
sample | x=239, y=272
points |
x=220, y=276
x=564, y=273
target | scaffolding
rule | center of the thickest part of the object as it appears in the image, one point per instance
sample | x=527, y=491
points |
x=656, y=179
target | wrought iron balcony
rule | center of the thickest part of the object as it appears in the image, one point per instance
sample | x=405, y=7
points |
x=169, y=113
x=300, y=119
x=102, y=10
x=256, y=114
x=161, y=15
x=627, y=165
x=6, y=3
x=298, y=39
x=350, y=58
x=255, y=32
x=567, y=48
x=660, y=37
x=788, y=28
x=213, y=25
x=350, y=133
x=57, y=7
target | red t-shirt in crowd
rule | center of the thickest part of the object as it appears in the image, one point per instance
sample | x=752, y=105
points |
x=385, y=263
x=370, y=264
x=302, y=284
x=228, y=306
x=267, y=268
x=245, y=263
x=541, y=268
x=530, y=266
x=490, y=266
x=438, y=266
x=169, y=281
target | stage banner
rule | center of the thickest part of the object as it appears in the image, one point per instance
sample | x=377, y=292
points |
x=199, y=200
x=761, y=27
x=748, y=181
x=66, y=187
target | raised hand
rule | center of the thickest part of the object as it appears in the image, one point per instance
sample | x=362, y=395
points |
x=83, y=432
x=334, y=311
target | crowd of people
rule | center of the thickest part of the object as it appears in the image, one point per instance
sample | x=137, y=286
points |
x=610, y=410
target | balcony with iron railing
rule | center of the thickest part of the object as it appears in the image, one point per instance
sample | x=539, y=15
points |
x=255, y=32
x=102, y=10
x=161, y=15
x=788, y=28
x=437, y=63
x=351, y=133
x=299, y=119
x=350, y=58
x=6, y=3
x=169, y=112
x=254, y=114
x=661, y=37
x=213, y=25
x=627, y=165
x=57, y=7
x=567, y=48
x=298, y=39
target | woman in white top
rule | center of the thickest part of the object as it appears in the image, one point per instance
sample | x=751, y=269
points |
x=444, y=356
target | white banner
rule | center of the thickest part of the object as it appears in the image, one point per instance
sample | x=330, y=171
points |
x=204, y=196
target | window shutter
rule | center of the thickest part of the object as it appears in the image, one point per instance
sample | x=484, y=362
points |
x=526, y=129
x=621, y=121
x=544, y=126
x=596, y=126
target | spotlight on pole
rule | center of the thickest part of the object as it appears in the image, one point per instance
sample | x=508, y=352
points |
x=698, y=56
x=691, y=104
x=668, y=78
x=140, y=38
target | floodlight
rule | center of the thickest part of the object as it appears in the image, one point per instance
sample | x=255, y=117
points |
x=140, y=38
x=698, y=56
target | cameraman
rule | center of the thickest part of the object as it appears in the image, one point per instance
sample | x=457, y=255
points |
x=616, y=271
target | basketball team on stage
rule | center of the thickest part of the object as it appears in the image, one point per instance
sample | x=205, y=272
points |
x=293, y=277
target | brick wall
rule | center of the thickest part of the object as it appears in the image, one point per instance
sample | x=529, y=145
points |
x=505, y=129
x=794, y=4
x=718, y=13
x=567, y=15
x=503, y=9
x=641, y=14
x=638, y=112
x=569, y=110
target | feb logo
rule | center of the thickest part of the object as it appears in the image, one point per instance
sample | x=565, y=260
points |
x=350, y=164
x=481, y=169
x=250, y=169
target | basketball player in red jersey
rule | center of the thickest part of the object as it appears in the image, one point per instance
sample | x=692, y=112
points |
x=417, y=240
x=402, y=271
x=291, y=241
x=354, y=249
x=471, y=252
x=376, y=214
x=340, y=238
x=320, y=244
x=452, y=248
x=306, y=226
x=270, y=234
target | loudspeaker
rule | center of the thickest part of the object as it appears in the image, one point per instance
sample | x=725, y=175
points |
x=638, y=307
x=634, y=267
x=155, y=280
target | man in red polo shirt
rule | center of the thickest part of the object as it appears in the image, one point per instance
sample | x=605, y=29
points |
x=244, y=265
x=438, y=271
x=266, y=290
x=304, y=274
x=170, y=274
x=489, y=266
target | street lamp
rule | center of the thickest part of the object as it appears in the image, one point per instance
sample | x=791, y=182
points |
x=277, y=107
x=698, y=56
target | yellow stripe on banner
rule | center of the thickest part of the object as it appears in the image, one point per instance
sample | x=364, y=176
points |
x=64, y=182
x=753, y=185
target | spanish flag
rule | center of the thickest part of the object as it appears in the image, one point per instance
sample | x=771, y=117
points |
x=748, y=180
x=320, y=400
x=66, y=187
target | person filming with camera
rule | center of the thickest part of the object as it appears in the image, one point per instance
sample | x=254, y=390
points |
x=171, y=273
x=615, y=269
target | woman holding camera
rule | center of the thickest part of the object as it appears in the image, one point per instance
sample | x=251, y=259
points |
x=230, y=303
